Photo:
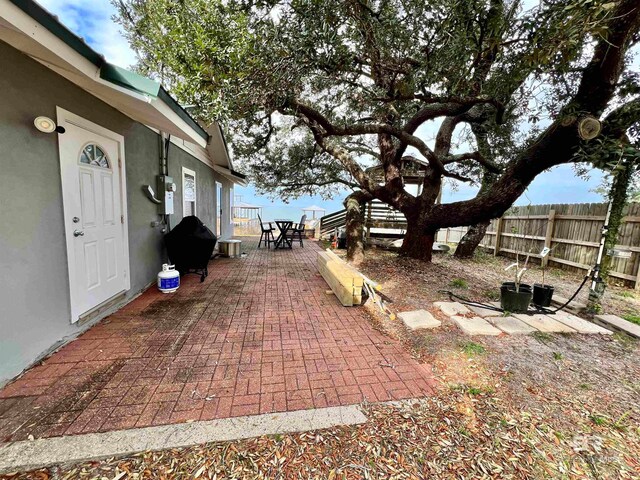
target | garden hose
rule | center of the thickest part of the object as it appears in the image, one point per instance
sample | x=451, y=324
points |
x=538, y=309
x=471, y=303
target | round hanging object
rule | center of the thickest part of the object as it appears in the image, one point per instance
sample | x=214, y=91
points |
x=589, y=128
x=45, y=124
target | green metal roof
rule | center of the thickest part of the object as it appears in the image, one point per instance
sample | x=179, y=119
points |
x=130, y=80
x=109, y=72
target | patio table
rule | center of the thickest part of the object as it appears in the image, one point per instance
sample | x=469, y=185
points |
x=284, y=226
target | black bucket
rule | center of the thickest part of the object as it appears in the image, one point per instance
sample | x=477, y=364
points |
x=542, y=295
x=515, y=301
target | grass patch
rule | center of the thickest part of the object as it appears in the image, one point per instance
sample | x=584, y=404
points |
x=558, y=356
x=585, y=386
x=492, y=295
x=479, y=391
x=556, y=272
x=598, y=420
x=620, y=424
x=542, y=337
x=459, y=283
x=472, y=348
x=627, y=341
x=626, y=294
x=632, y=317
x=483, y=256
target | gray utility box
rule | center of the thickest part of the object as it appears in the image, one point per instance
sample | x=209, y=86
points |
x=166, y=190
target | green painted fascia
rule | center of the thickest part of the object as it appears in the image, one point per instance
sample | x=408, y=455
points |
x=182, y=113
x=129, y=80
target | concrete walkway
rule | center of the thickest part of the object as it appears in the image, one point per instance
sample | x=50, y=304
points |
x=260, y=335
x=484, y=321
x=46, y=452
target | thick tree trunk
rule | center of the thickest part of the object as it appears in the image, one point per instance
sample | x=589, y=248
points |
x=418, y=241
x=470, y=241
x=355, y=205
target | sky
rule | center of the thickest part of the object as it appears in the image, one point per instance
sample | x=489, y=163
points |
x=91, y=19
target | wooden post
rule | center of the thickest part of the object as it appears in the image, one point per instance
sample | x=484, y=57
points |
x=549, y=235
x=637, y=286
x=496, y=248
x=368, y=224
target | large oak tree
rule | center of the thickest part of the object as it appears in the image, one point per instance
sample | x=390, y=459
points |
x=315, y=91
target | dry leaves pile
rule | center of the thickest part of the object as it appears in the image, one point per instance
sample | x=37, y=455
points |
x=454, y=435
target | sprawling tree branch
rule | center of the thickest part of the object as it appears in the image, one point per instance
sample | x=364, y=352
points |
x=558, y=143
x=363, y=77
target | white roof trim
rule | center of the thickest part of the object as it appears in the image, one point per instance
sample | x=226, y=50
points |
x=229, y=175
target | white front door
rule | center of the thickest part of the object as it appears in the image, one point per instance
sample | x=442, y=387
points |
x=92, y=189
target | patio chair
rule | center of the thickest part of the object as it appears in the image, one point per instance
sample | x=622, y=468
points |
x=266, y=234
x=298, y=230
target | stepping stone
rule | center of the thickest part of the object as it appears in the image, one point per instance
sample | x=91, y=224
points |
x=483, y=312
x=575, y=306
x=511, y=325
x=543, y=323
x=617, y=323
x=452, y=308
x=579, y=324
x=419, y=319
x=475, y=326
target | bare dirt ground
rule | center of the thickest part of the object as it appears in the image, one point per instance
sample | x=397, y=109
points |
x=479, y=279
x=581, y=389
x=526, y=407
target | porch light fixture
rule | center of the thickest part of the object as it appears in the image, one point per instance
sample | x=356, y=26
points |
x=46, y=125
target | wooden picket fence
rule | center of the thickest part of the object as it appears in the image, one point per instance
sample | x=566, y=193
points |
x=572, y=231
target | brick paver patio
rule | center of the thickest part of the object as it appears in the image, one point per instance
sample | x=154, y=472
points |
x=259, y=335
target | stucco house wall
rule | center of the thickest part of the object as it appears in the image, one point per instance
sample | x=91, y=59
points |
x=34, y=298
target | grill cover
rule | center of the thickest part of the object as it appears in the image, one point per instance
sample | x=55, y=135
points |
x=190, y=245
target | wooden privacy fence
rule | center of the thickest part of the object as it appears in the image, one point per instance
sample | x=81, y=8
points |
x=572, y=231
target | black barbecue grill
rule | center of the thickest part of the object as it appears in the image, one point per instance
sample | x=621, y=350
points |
x=190, y=245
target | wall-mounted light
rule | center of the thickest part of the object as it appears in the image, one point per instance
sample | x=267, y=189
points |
x=46, y=125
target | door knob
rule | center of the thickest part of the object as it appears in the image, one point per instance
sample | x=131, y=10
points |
x=78, y=233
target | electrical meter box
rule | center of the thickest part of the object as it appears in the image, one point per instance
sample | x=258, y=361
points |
x=166, y=191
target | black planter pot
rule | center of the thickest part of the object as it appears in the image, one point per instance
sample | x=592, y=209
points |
x=542, y=295
x=515, y=301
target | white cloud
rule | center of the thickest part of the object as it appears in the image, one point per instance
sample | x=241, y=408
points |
x=91, y=19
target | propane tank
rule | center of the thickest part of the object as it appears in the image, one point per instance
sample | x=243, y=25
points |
x=168, y=279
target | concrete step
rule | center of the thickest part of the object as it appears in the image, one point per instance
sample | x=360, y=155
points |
x=575, y=306
x=619, y=324
x=484, y=312
x=417, y=319
x=578, y=324
x=475, y=326
x=452, y=308
x=511, y=325
x=544, y=323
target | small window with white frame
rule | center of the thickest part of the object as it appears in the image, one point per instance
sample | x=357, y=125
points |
x=188, y=192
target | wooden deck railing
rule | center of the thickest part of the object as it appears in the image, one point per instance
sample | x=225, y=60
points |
x=377, y=215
